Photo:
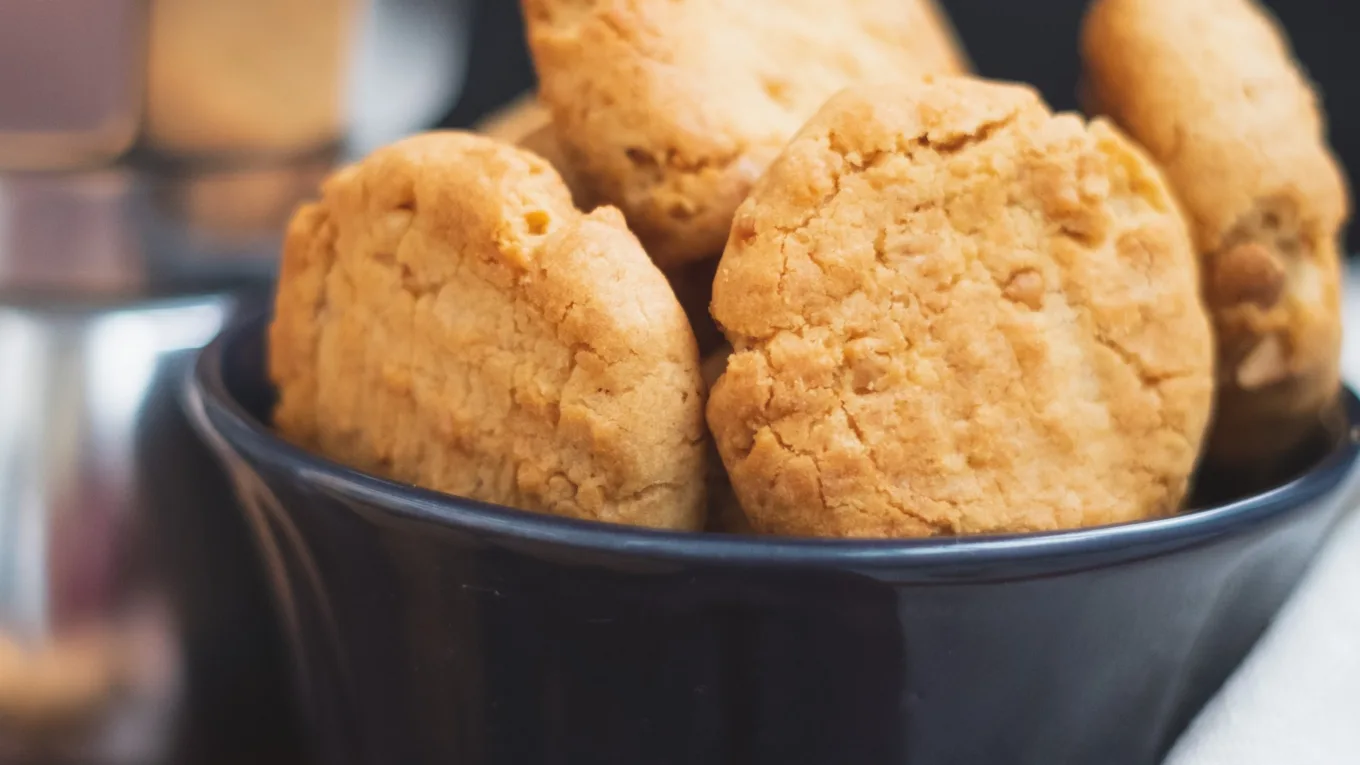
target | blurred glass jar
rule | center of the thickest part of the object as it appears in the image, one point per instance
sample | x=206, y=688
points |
x=70, y=88
x=82, y=81
x=247, y=77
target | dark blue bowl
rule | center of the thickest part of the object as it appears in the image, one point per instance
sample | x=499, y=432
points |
x=433, y=629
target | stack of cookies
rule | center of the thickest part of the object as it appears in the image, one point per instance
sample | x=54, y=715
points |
x=798, y=272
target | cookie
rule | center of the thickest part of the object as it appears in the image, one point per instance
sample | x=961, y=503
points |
x=671, y=110
x=1211, y=89
x=445, y=317
x=725, y=515
x=954, y=312
x=543, y=142
x=527, y=124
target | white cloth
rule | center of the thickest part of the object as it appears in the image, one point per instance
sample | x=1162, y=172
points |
x=1296, y=699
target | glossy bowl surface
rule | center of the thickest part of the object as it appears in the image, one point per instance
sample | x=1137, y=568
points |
x=429, y=628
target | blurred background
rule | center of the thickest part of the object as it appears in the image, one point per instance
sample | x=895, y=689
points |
x=150, y=154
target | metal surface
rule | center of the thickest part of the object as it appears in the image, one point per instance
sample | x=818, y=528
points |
x=135, y=626
x=119, y=235
x=70, y=233
x=93, y=671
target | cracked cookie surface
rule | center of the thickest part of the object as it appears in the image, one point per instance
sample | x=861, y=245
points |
x=527, y=124
x=725, y=515
x=671, y=110
x=955, y=312
x=1211, y=89
x=447, y=318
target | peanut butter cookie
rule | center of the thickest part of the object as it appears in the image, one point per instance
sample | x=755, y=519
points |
x=725, y=515
x=671, y=110
x=1211, y=89
x=527, y=124
x=955, y=312
x=543, y=142
x=446, y=317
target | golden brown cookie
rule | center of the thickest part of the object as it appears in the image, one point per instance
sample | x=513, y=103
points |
x=1211, y=89
x=527, y=124
x=446, y=317
x=543, y=142
x=725, y=515
x=955, y=312
x=671, y=110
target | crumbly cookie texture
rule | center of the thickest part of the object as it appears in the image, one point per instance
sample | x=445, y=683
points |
x=446, y=317
x=543, y=142
x=955, y=312
x=725, y=515
x=526, y=123
x=672, y=110
x=1211, y=89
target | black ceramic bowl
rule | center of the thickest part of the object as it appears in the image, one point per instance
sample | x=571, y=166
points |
x=433, y=629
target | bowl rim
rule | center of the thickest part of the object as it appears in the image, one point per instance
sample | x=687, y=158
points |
x=228, y=426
